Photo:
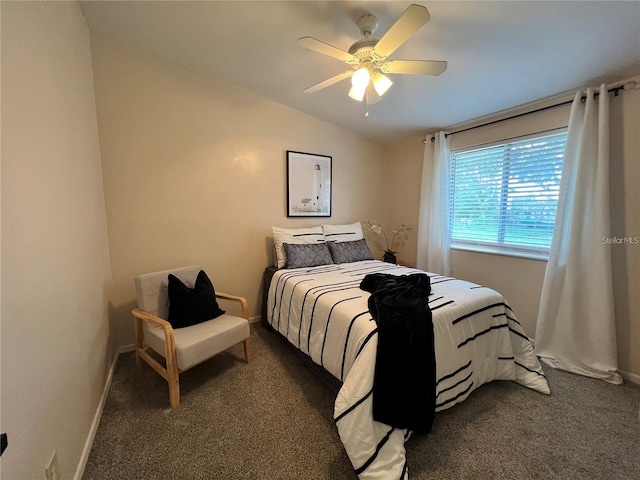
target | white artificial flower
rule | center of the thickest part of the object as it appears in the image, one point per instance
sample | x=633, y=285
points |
x=398, y=234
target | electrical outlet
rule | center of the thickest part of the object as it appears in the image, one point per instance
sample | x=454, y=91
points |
x=52, y=470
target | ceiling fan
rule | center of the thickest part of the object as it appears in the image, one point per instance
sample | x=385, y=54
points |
x=368, y=56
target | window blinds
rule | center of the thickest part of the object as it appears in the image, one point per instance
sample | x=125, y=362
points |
x=505, y=196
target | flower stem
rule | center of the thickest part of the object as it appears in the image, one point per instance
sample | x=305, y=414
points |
x=393, y=240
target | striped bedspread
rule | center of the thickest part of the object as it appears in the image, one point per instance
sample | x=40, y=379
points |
x=323, y=312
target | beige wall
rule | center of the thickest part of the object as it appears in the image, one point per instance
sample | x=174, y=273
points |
x=195, y=173
x=402, y=188
x=519, y=279
x=55, y=258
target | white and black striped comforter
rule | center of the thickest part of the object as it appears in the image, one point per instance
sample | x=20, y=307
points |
x=323, y=312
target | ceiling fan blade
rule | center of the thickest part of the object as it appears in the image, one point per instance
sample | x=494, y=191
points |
x=409, y=22
x=329, y=81
x=326, y=49
x=414, y=67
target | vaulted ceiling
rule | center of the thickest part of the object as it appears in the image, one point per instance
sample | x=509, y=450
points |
x=501, y=54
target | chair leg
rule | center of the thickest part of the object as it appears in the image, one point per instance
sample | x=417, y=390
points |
x=138, y=362
x=247, y=349
x=137, y=326
x=173, y=376
x=174, y=391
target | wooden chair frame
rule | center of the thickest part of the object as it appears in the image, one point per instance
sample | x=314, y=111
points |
x=171, y=372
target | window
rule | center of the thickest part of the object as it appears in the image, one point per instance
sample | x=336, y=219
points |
x=504, y=197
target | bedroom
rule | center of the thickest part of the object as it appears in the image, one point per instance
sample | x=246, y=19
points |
x=80, y=220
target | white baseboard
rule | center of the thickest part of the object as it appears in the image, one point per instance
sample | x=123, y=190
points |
x=630, y=377
x=98, y=415
x=127, y=348
x=255, y=319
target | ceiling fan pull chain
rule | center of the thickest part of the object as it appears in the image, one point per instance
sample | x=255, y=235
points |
x=366, y=104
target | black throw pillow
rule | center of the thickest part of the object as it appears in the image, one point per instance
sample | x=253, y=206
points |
x=190, y=306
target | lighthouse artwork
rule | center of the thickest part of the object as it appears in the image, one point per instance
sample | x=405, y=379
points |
x=308, y=185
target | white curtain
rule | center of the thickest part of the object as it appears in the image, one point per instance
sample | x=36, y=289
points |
x=434, y=252
x=576, y=324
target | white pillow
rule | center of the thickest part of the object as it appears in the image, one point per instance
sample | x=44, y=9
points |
x=342, y=233
x=293, y=236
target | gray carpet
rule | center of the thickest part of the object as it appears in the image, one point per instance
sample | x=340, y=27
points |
x=272, y=419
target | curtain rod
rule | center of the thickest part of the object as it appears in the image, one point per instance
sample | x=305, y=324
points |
x=613, y=90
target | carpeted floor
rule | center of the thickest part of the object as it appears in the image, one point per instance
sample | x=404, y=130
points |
x=272, y=419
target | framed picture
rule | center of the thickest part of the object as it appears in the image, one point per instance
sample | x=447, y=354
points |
x=308, y=185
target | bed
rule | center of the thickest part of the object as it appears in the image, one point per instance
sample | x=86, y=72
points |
x=323, y=312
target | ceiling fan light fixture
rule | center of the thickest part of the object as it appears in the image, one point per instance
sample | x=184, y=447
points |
x=357, y=93
x=381, y=83
x=359, y=83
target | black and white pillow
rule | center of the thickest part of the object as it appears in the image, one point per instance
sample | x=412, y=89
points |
x=342, y=233
x=347, y=252
x=307, y=255
x=311, y=235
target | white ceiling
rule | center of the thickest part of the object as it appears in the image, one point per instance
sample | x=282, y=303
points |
x=501, y=54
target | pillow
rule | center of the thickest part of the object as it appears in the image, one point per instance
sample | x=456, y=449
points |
x=307, y=255
x=293, y=236
x=347, y=252
x=342, y=233
x=190, y=306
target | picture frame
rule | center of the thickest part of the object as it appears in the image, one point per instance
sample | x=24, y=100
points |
x=309, y=178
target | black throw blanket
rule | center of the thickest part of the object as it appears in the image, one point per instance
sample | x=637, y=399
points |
x=404, y=387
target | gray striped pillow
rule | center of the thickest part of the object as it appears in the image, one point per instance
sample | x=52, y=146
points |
x=307, y=255
x=347, y=252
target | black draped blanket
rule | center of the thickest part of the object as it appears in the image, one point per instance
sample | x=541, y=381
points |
x=404, y=388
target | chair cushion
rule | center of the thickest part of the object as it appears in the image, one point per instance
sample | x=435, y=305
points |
x=189, y=306
x=152, y=288
x=197, y=343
